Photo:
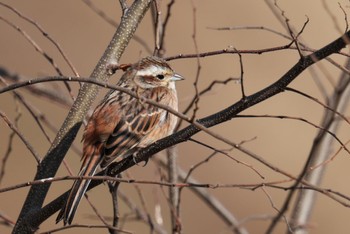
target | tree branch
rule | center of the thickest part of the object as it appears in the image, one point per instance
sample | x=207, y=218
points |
x=72, y=123
x=319, y=153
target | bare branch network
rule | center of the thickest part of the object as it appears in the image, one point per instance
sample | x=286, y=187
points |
x=254, y=145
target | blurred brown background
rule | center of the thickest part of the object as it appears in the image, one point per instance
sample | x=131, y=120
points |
x=285, y=143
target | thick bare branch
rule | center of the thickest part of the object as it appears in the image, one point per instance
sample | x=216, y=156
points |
x=72, y=123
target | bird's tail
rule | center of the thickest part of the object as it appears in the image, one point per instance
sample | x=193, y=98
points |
x=78, y=190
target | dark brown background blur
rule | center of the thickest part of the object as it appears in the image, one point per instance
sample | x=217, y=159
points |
x=285, y=143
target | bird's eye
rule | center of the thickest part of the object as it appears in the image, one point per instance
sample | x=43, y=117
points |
x=160, y=76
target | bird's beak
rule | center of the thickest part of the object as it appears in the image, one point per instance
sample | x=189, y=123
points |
x=177, y=77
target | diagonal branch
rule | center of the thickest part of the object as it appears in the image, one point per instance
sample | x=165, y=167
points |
x=243, y=104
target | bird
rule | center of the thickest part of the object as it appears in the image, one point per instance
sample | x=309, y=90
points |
x=122, y=124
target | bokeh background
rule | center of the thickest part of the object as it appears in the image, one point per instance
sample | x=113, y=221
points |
x=83, y=35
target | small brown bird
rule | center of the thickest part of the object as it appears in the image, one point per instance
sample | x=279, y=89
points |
x=122, y=124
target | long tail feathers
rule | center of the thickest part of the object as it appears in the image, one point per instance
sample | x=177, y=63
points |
x=78, y=190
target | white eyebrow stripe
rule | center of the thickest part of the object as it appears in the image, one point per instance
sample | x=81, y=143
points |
x=149, y=71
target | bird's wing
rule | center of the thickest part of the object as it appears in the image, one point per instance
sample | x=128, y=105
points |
x=137, y=120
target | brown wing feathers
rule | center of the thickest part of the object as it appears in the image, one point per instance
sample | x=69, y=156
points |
x=119, y=143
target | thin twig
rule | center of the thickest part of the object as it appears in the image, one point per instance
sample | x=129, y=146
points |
x=10, y=142
x=164, y=26
x=21, y=136
x=39, y=50
x=302, y=120
x=274, y=206
x=45, y=34
x=140, y=214
x=224, y=152
x=42, y=91
x=115, y=24
x=84, y=226
x=6, y=220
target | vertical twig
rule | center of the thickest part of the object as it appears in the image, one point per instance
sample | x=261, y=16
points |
x=173, y=191
x=164, y=27
x=158, y=29
x=113, y=188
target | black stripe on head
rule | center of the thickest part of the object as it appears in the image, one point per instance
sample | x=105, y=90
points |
x=145, y=62
x=149, y=79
